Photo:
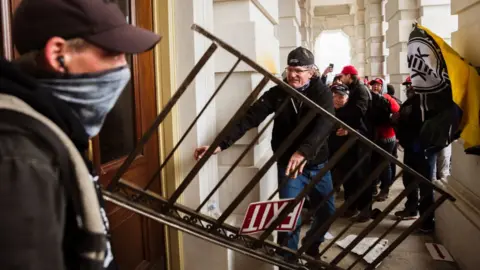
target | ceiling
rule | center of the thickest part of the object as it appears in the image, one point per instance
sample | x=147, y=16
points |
x=315, y=3
x=331, y=10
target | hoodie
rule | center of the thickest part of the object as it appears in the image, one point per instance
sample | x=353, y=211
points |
x=41, y=230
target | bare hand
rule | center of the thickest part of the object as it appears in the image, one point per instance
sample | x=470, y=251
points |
x=342, y=132
x=297, y=160
x=327, y=70
x=200, y=151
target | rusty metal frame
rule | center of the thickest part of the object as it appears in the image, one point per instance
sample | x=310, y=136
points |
x=168, y=211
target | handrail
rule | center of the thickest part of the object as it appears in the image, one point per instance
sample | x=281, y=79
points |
x=168, y=211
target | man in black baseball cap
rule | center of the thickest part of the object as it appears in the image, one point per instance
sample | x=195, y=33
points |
x=71, y=71
x=99, y=22
x=306, y=155
x=301, y=68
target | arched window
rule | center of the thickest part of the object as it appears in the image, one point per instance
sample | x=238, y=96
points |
x=332, y=46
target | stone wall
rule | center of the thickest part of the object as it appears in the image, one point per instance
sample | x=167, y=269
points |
x=374, y=36
x=458, y=223
x=250, y=27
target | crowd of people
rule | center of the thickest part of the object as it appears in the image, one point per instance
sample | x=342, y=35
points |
x=368, y=106
x=51, y=106
x=386, y=122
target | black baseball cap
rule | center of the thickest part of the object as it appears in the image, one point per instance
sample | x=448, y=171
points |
x=100, y=22
x=300, y=57
x=340, y=89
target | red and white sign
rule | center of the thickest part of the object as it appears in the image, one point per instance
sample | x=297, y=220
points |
x=260, y=215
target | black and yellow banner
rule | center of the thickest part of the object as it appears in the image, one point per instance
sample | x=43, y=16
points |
x=449, y=89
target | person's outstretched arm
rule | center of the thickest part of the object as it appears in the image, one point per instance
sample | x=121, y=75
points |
x=255, y=115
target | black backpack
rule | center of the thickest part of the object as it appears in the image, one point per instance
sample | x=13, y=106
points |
x=379, y=111
x=399, y=102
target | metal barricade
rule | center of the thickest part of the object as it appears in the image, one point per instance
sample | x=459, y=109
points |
x=168, y=211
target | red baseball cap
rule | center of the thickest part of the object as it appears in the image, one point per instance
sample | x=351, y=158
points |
x=408, y=80
x=377, y=80
x=349, y=70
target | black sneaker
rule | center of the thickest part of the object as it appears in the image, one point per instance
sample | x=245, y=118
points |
x=382, y=196
x=406, y=215
x=363, y=217
x=427, y=228
x=349, y=213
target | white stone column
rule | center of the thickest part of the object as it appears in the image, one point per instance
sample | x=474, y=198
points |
x=386, y=52
x=436, y=16
x=288, y=28
x=188, y=50
x=249, y=27
x=458, y=223
x=374, y=36
x=400, y=15
x=306, y=24
x=359, y=58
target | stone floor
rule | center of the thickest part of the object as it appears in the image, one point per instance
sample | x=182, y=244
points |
x=411, y=254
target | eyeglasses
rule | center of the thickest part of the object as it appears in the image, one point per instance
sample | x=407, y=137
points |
x=296, y=70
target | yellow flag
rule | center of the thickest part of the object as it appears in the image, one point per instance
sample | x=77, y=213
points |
x=465, y=84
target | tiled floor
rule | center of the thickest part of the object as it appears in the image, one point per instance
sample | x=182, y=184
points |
x=411, y=254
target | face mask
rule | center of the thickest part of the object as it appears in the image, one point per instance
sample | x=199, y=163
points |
x=91, y=96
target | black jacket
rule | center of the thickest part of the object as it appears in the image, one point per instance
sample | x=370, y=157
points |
x=355, y=110
x=312, y=142
x=39, y=229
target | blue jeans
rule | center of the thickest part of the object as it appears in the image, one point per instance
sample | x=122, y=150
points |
x=322, y=188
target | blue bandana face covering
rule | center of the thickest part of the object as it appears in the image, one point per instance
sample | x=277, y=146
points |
x=91, y=96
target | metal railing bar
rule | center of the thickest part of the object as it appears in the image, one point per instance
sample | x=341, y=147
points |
x=323, y=229
x=258, y=176
x=212, y=97
x=286, y=178
x=393, y=226
x=399, y=174
x=197, y=232
x=305, y=191
x=242, y=155
x=179, y=207
x=311, y=212
x=373, y=224
x=390, y=229
x=407, y=232
x=196, y=168
x=346, y=228
x=306, y=101
x=163, y=114
x=339, y=235
x=284, y=181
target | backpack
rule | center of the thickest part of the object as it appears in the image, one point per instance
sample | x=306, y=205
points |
x=433, y=134
x=399, y=102
x=91, y=241
x=379, y=110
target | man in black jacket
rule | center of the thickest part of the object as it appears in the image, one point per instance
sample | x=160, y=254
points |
x=71, y=71
x=309, y=151
x=356, y=111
